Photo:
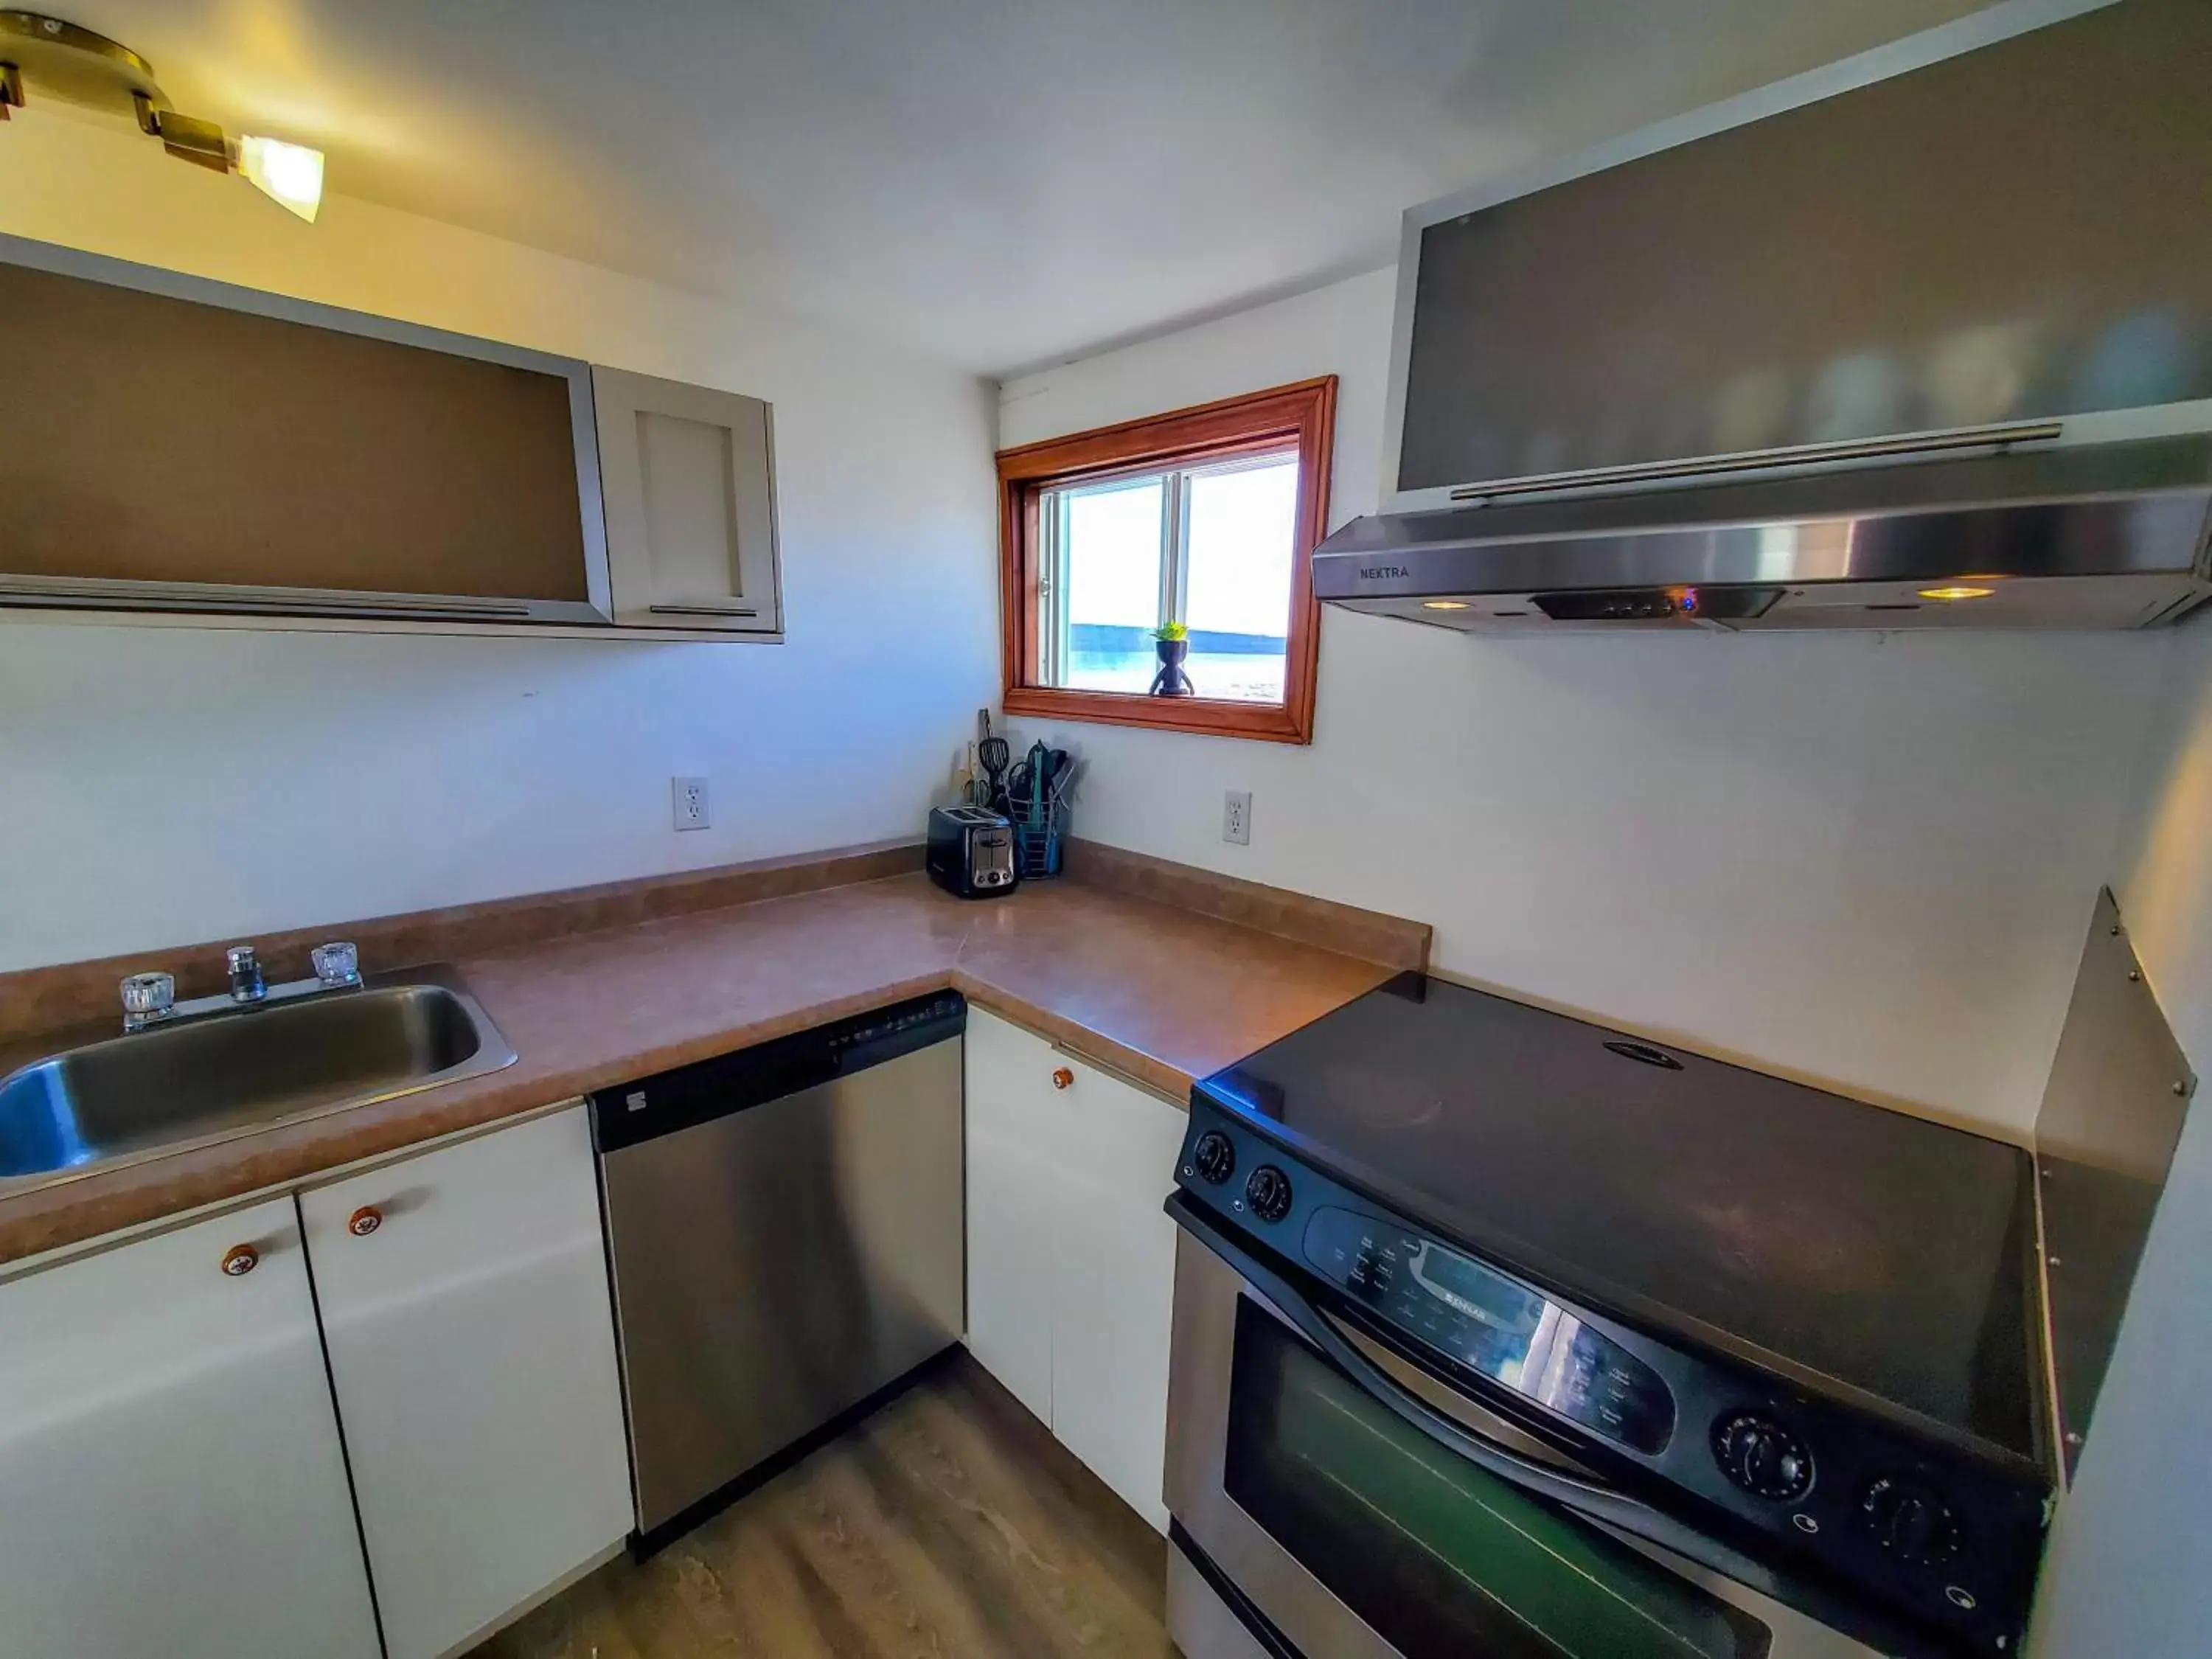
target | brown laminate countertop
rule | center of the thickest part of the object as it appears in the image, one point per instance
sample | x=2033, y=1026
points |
x=1161, y=995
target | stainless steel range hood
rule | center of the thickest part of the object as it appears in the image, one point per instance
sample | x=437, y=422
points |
x=1927, y=322
x=2109, y=536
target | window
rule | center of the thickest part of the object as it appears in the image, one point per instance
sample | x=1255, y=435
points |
x=1205, y=518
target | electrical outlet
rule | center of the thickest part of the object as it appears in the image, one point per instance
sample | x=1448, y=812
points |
x=1236, y=816
x=691, y=802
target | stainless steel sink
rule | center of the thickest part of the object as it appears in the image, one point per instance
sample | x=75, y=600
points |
x=207, y=1079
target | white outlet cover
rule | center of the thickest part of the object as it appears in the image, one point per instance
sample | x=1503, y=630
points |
x=1236, y=816
x=688, y=803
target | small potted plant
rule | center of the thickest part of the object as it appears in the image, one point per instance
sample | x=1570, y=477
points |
x=1174, y=641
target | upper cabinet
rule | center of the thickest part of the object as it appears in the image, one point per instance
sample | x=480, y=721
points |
x=688, y=481
x=188, y=447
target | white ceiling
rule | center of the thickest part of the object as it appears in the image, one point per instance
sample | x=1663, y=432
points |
x=996, y=183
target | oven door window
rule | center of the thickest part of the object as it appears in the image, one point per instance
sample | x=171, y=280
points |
x=1440, y=1558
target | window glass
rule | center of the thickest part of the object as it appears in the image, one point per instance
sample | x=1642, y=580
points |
x=1243, y=522
x=1211, y=547
x=1111, y=553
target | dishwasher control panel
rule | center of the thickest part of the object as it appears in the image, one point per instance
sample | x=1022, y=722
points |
x=925, y=1014
x=669, y=1101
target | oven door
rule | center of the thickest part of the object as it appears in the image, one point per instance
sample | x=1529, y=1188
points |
x=1323, y=1490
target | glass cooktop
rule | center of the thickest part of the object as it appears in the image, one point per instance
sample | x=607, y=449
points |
x=1856, y=1245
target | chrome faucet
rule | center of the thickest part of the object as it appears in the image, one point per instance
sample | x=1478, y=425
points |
x=150, y=999
x=246, y=981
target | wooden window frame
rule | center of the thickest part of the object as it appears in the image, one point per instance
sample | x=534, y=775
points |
x=1301, y=414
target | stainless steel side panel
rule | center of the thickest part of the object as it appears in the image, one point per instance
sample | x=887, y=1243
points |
x=1297, y=1603
x=2104, y=1140
x=775, y=1266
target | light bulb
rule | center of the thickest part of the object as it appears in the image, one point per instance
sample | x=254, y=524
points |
x=289, y=174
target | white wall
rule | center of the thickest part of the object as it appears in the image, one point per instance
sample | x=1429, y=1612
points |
x=2129, y=1570
x=1864, y=858
x=168, y=785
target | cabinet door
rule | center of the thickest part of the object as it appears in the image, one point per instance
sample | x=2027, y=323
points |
x=1014, y=1134
x=471, y=1347
x=1114, y=1282
x=688, y=477
x=171, y=1481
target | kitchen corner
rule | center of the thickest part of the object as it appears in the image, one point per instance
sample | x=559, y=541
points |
x=777, y=879
x=1156, y=992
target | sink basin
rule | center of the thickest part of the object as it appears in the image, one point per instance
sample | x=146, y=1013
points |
x=229, y=1073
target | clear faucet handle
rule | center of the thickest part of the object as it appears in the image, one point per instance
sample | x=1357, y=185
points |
x=337, y=963
x=148, y=997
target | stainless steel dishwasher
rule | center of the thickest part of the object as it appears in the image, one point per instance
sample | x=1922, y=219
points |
x=787, y=1230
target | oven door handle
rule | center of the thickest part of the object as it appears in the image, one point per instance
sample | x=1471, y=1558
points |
x=1588, y=1497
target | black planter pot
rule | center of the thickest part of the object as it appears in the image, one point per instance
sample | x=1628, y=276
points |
x=1171, y=681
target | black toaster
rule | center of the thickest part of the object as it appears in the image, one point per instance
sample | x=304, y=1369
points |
x=971, y=851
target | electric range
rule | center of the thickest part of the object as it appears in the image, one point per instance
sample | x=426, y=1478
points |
x=1727, y=1336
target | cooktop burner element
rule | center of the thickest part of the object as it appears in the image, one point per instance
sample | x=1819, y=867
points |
x=1855, y=1249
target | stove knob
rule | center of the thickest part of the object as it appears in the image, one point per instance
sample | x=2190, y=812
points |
x=1764, y=1458
x=1268, y=1193
x=1910, y=1521
x=1214, y=1158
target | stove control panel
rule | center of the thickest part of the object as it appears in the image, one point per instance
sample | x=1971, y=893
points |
x=1493, y=1326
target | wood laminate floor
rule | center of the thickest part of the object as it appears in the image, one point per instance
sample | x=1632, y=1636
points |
x=949, y=1524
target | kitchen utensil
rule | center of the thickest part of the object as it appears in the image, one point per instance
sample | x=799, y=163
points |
x=1039, y=763
x=995, y=753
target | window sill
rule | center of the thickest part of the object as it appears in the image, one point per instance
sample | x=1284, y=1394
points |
x=1267, y=722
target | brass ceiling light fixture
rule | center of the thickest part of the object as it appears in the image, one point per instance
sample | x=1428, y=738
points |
x=79, y=67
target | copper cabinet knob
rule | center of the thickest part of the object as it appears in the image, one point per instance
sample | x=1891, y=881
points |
x=237, y=1261
x=1063, y=1078
x=364, y=1221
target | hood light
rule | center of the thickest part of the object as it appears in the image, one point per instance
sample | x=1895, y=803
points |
x=1959, y=592
x=1445, y=604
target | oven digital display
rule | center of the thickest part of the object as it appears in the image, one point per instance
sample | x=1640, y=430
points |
x=1493, y=1326
x=1476, y=1291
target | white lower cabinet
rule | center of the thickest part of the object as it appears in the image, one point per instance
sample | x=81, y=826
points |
x=1114, y=1278
x=464, y=1297
x=1011, y=1206
x=171, y=1481
x=1071, y=1259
